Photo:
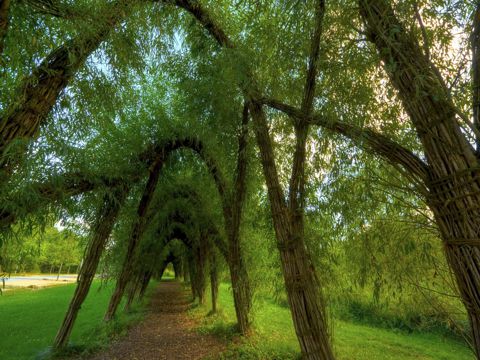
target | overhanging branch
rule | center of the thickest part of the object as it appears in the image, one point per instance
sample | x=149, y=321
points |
x=368, y=139
x=58, y=9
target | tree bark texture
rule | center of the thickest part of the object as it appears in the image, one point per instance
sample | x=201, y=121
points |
x=100, y=233
x=145, y=281
x=454, y=168
x=303, y=291
x=233, y=210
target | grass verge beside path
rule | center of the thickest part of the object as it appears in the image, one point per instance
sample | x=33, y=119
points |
x=274, y=337
x=29, y=320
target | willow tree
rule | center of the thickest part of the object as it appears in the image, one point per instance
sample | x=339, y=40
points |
x=231, y=199
x=189, y=206
x=100, y=232
x=447, y=175
x=452, y=161
x=301, y=282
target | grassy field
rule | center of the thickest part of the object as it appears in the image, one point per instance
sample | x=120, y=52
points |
x=29, y=320
x=274, y=337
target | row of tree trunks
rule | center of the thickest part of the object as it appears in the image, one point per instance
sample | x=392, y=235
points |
x=454, y=167
x=105, y=220
x=137, y=230
x=302, y=287
x=186, y=270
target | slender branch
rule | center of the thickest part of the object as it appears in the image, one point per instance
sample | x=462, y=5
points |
x=426, y=45
x=241, y=172
x=475, y=43
x=205, y=19
x=57, y=9
x=309, y=91
x=366, y=138
x=297, y=176
x=197, y=145
x=55, y=189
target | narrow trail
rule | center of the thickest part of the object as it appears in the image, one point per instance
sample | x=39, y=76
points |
x=165, y=333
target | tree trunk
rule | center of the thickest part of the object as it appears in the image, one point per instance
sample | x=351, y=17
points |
x=137, y=231
x=145, y=281
x=458, y=218
x=454, y=184
x=4, y=9
x=200, y=257
x=191, y=270
x=186, y=270
x=304, y=297
x=132, y=291
x=106, y=217
x=59, y=271
x=177, y=268
x=41, y=89
x=242, y=297
x=213, y=280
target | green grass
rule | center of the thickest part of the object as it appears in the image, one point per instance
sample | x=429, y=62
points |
x=274, y=337
x=29, y=320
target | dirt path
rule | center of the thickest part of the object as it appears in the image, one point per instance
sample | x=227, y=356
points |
x=166, y=332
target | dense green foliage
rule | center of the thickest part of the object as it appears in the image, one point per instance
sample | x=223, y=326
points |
x=107, y=94
x=45, y=251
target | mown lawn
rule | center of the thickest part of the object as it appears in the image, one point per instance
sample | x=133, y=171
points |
x=29, y=320
x=274, y=337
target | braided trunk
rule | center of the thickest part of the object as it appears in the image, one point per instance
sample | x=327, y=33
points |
x=303, y=290
x=106, y=218
x=454, y=168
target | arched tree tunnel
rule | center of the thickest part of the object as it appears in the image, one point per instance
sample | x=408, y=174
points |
x=182, y=219
x=280, y=146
